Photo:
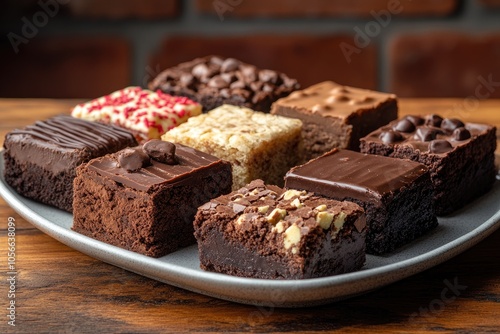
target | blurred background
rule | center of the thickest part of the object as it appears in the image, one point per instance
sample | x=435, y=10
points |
x=88, y=48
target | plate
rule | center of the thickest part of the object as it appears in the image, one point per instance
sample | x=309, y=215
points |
x=455, y=234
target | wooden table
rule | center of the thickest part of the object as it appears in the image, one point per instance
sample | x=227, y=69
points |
x=60, y=290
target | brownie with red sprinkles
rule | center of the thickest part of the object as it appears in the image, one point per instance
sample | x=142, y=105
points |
x=146, y=113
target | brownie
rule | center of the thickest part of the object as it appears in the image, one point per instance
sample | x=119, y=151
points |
x=336, y=116
x=144, y=199
x=214, y=81
x=146, y=114
x=460, y=156
x=396, y=194
x=40, y=159
x=258, y=145
x=265, y=232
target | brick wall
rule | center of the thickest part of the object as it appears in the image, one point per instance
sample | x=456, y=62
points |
x=86, y=48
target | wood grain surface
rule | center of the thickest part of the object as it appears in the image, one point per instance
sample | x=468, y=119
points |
x=59, y=290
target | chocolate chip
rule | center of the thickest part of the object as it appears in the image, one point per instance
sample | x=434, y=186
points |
x=249, y=73
x=229, y=65
x=225, y=93
x=291, y=83
x=256, y=86
x=427, y=133
x=186, y=80
x=461, y=134
x=228, y=77
x=416, y=120
x=450, y=124
x=267, y=88
x=390, y=137
x=133, y=159
x=433, y=120
x=405, y=125
x=218, y=82
x=440, y=146
x=217, y=61
x=238, y=84
x=200, y=70
x=268, y=76
x=161, y=151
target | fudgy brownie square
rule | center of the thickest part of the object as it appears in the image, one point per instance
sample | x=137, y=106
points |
x=395, y=193
x=460, y=156
x=265, y=232
x=144, y=199
x=40, y=159
x=258, y=145
x=214, y=81
x=146, y=114
x=336, y=116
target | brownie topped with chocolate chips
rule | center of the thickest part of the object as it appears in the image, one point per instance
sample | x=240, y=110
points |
x=213, y=81
x=460, y=155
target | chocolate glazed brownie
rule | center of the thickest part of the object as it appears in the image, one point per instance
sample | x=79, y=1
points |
x=144, y=199
x=395, y=193
x=213, y=81
x=40, y=159
x=460, y=156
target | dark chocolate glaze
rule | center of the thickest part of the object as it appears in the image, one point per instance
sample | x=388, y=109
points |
x=348, y=174
x=73, y=133
x=190, y=161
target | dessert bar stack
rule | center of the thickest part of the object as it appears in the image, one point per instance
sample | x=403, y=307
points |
x=267, y=179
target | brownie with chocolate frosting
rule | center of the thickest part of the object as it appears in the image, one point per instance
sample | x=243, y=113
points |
x=144, y=198
x=395, y=193
x=262, y=231
x=40, y=159
x=213, y=81
x=336, y=116
x=460, y=155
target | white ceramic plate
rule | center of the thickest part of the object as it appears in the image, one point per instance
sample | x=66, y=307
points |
x=454, y=234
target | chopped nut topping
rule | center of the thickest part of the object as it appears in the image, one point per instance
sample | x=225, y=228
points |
x=324, y=219
x=339, y=222
x=289, y=194
x=295, y=250
x=276, y=215
x=291, y=236
x=279, y=227
x=241, y=219
x=321, y=207
x=263, y=209
x=296, y=203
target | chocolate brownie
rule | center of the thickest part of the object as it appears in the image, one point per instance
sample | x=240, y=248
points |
x=264, y=232
x=396, y=194
x=460, y=156
x=144, y=199
x=145, y=113
x=40, y=159
x=259, y=146
x=336, y=116
x=214, y=81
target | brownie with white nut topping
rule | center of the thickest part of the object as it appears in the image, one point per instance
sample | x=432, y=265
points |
x=263, y=231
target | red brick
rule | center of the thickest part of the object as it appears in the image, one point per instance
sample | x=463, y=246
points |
x=325, y=8
x=119, y=9
x=65, y=67
x=490, y=3
x=310, y=59
x=444, y=64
